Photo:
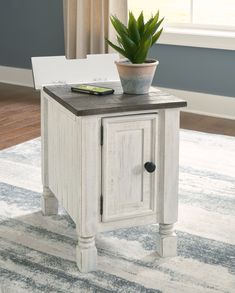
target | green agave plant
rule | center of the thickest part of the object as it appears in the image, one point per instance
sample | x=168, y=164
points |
x=137, y=37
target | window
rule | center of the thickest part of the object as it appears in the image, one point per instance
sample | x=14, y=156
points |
x=200, y=23
x=216, y=13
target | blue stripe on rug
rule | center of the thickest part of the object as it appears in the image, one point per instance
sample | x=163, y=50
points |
x=59, y=272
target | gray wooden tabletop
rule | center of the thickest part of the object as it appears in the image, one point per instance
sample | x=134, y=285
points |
x=85, y=104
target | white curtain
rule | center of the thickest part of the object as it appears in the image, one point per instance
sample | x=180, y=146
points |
x=87, y=23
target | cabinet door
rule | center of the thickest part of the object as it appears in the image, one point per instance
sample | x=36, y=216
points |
x=128, y=189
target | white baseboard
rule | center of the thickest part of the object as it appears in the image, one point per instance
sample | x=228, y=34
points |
x=206, y=104
x=18, y=76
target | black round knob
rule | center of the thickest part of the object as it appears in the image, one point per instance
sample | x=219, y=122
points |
x=150, y=167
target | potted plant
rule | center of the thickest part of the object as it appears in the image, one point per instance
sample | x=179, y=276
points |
x=134, y=41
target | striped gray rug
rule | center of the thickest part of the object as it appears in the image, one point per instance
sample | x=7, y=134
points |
x=37, y=254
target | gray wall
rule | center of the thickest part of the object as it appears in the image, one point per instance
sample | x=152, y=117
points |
x=195, y=69
x=30, y=28
x=35, y=28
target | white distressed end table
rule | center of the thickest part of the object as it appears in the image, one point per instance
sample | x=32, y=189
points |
x=111, y=162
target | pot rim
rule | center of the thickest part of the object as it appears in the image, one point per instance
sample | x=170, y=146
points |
x=126, y=62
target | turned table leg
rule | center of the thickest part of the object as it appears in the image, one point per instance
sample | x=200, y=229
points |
x=166, y=240
x=88, y=209
x=86, y=254
x=168, y=165
x=49, y=203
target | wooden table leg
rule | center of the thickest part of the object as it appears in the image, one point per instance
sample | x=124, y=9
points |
x=49, y=203
x=166, y=240
x=168, y=167
x=86, y=225
x=86, y=254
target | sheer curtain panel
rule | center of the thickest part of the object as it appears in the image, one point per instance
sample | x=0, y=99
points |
x=87, y=24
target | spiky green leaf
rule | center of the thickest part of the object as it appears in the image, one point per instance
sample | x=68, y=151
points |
x=128, y=45
x=156, y=36
x=119, y=40
x=118, y=25
x=148, y=23
x=133, y=29
x=142, y=52
x=152, y=26
x=140, y=23
x=118, y=49
x=151, y=21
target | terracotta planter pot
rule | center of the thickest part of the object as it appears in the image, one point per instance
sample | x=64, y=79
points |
x=136, y=78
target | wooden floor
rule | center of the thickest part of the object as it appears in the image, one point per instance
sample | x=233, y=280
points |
x=207, y=124
x=20, y=117
x=19, y=114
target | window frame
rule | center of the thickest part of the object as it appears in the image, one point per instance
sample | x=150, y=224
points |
x=194, y=37
x=198, y=35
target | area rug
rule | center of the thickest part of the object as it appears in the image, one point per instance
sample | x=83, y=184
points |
x=37, y=254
